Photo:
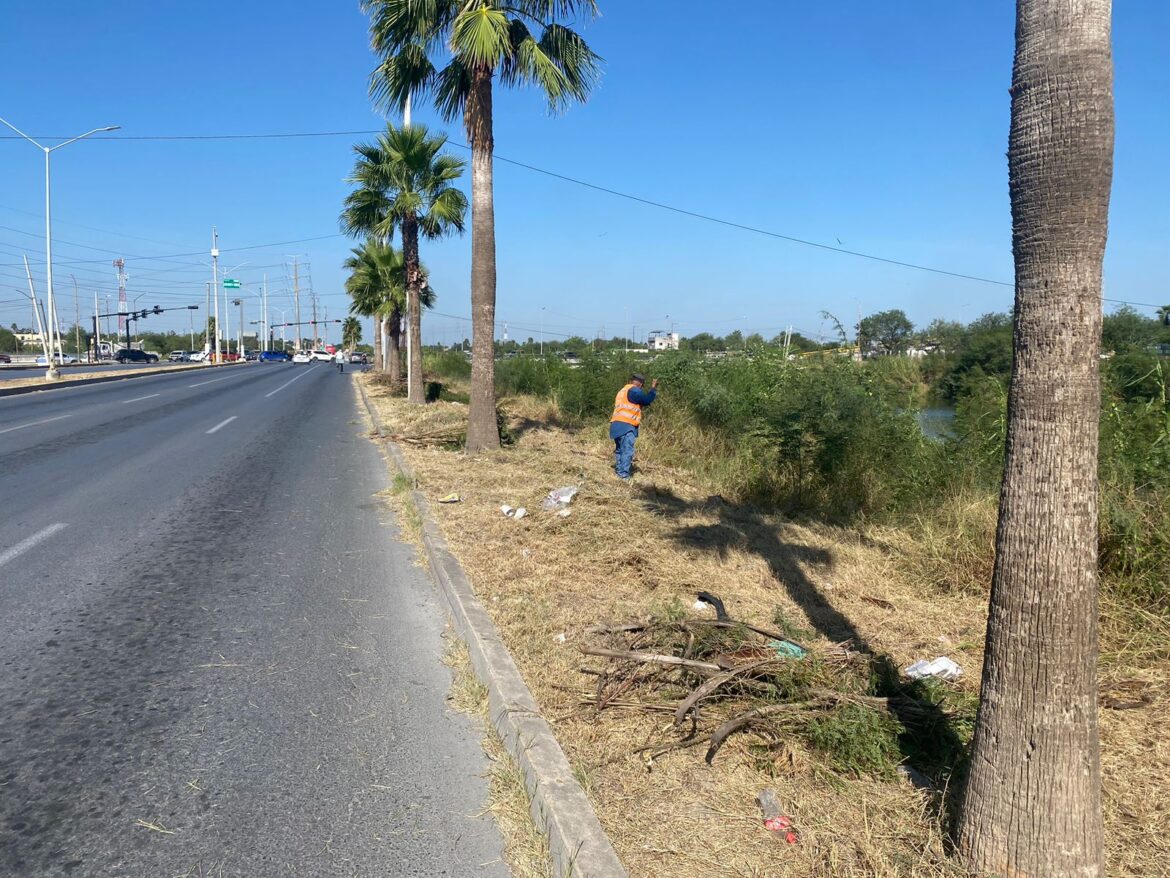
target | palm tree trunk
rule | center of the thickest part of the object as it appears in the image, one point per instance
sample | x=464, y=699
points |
x=482, y=431
x=393, y=348
x=378, y=364
x=1033, y=798
x=414, y=389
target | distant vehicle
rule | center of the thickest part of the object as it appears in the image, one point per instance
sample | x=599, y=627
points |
x=129, y=355
x=4, y=358
x=197, y=356
x=251, y=356
x=357, y=358
x=302, y=357
x=323, y=356
x=63, y=359
x=179, y=357
x=274, y=357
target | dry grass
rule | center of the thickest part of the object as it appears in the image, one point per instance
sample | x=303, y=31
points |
x=631, y=550
x=525, y=849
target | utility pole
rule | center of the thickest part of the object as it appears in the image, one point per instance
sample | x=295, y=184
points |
x=97, y=329
x=296, y=304
x=264, y=316
x=191, y=323
x=207, y=323
x=120, y=264
x=240, y=346
x=313, y=299
x=215, y=288
x=32, y=294
x=76, y=320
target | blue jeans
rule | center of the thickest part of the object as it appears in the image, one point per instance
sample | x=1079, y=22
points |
x=624, y=453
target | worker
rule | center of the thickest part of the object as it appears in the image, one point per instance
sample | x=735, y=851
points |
x=339, y=359
x=627, y=417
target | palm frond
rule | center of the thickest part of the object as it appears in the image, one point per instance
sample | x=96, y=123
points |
x=579, y=65
x=479, y=35
x=408, y=72
x=451, y=88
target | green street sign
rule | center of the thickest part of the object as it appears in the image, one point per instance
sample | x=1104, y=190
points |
x=231, y=283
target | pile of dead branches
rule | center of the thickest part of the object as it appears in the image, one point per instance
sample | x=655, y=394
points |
x=717, y=677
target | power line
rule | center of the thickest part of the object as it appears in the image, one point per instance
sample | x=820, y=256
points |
x=558, y=176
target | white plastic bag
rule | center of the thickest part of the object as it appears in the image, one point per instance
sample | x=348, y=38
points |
x=942, y=667
x=558, y=499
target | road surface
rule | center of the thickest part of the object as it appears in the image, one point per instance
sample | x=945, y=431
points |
x=215, y=658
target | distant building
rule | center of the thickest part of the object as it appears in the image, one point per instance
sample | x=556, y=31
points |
x=662, y=341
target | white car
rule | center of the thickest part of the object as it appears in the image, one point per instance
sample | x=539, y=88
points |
x=62, y=359
x=302, y=357
x=197, y=356
x=323, y=356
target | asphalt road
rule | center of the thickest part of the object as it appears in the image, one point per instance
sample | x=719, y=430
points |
x=215, y=658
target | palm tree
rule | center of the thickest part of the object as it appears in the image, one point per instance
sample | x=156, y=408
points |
x=404, y=182
x=351, y=333
x=1164, y=315
x=522, y=42
x=377, y=286
x=1032, y=804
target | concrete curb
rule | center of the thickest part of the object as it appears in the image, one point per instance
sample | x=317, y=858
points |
x=82, y=382
x=559, y=807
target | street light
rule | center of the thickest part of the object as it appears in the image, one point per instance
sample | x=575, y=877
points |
x=52, y=373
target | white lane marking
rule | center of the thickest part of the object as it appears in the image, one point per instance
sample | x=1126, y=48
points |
x=212, y=381
x=222, y=424
x=32, y=423
x=139, y=399
x=287, y=383
x=28, y=542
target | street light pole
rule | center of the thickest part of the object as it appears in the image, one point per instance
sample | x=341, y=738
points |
x=52, y=373
x=215, y=289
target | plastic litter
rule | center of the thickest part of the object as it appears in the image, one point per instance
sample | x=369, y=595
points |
x=451, y=498
x=775, y=821
x=560, y=638
x=787, y=649
x=514, y=513
x=565, y=513
x=558, y=499
x=942, y=667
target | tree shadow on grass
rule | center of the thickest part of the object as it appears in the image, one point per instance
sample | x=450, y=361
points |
x=931, y=741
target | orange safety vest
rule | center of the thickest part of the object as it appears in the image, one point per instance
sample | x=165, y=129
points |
x=625, y=411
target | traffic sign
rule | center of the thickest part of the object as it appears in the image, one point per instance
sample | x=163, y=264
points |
x=230, y=283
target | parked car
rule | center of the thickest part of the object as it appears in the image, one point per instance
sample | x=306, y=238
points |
x=323, y=356
x=357, y=358
x=61, y=359
x=251, y=356
x=275, y=357
x=130, y=355
x=179, y=357
x=302, y=357
x=4, y=358
x=197, y=356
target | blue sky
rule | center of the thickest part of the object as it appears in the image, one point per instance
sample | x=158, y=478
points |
x=882, y=126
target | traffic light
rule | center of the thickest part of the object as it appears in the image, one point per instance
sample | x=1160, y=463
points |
x=142, y=316
x=157, y=309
